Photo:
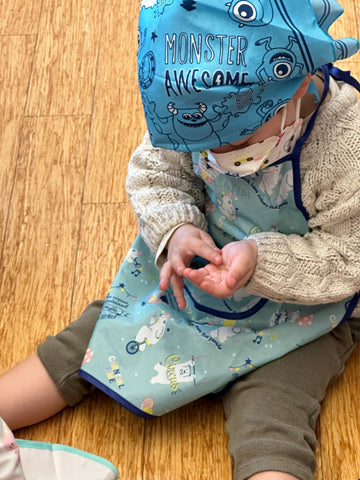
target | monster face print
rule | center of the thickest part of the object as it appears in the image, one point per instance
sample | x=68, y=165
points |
x=210, y=73
x=253, y=13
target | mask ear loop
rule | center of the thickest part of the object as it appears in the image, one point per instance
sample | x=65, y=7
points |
x=283, y=118
x=284, y=114
x=298, y=107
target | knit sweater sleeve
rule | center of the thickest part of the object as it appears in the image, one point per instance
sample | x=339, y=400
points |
x=322, y=266
x=164, y=192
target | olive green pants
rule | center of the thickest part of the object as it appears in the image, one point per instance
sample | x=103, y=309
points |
x=271, y=412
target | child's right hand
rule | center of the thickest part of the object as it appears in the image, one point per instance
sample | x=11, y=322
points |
x=185, y=243
x=239, y=263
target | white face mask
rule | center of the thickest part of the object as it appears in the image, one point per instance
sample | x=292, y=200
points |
x=248, y=160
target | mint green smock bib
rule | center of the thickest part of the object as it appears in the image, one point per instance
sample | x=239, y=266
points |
x=151, y=357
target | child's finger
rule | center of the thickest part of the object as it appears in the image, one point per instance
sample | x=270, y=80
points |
x=231, y=281
x=178, y=264
x=165, y=275
x=177, y=284
x=210, y=252
x=238, y=275
x=195, y=276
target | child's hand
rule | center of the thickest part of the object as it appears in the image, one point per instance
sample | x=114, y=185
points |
x=239, y=262
x=184, y=244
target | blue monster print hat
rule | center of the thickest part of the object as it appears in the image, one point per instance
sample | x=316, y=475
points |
x=213, y=71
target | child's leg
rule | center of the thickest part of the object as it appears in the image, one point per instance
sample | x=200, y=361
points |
x=271, y=412
x=45, y=383
x=30, y=395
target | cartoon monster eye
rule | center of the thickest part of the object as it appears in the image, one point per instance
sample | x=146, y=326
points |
x=282, y=70
x=197, y=116
x=187, y=116
x=238, y=163
x=245, y=11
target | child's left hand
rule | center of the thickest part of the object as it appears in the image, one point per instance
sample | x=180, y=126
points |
x=239, y=262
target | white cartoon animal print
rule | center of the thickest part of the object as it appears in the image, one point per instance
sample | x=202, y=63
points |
x=152, y=333
x=173, y=373
x=227, y=207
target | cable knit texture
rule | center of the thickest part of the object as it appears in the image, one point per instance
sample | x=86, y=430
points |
x=321, y=267
x=164, y=192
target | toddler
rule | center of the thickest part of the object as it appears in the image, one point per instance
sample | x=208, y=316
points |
x=246, y=271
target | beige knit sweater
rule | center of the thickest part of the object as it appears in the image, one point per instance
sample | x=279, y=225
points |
x=321, y=267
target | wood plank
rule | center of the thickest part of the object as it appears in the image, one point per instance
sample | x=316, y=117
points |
x=189, y=443
x=99, y=424
x=15, y=62
x=118, y=121
x=18, y=17
x=319, y=474
x=107, y=232
x=36, y=293
x=15, y=68
x=351, y=65
x=40, y=250
x=64, y=70
x=37, y=274
x=340, y=425
x=346, y=25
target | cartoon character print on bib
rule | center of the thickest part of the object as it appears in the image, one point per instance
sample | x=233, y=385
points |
x=152, y=357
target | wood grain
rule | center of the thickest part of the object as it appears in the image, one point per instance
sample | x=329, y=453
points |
x=99, y=425
x=118, y=121
x=70, y=117
x=107, y=232
x=346, y=25
x=64, y=70
x=16, y=55
x=18, y=17
x=189, y=443
x=340, y=425
x=39, y=255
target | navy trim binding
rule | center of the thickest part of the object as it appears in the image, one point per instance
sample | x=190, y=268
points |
x=227, y=315
x=115, y=396
x=340, y=75
x=350, y=308
x=295, y=156
x=343, y=76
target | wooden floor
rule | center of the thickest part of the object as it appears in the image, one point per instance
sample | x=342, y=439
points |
x=70, y=118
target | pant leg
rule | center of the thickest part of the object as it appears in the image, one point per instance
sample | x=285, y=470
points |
x=271, y=412
x=63, y=353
